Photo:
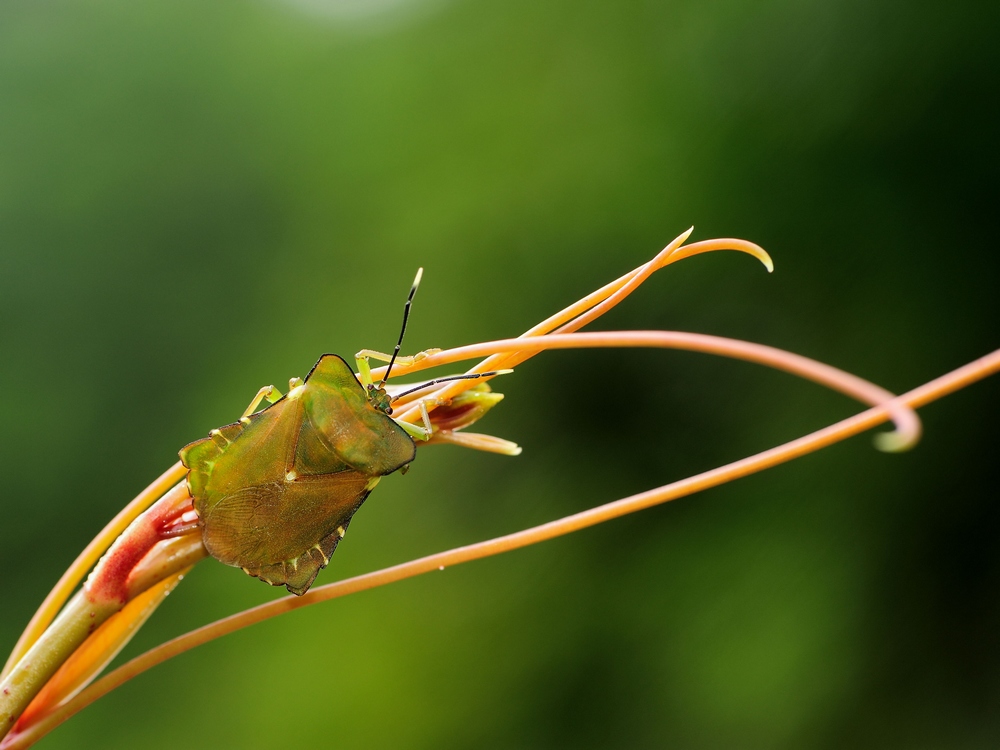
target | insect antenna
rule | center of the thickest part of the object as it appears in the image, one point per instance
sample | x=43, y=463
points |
x=402, y=331
x=470, y=376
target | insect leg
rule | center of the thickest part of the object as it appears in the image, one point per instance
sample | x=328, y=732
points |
x=426, y=417
x=415, y=431
x=408, y=360
x=363, y=369
x=362, y=357
x=269, y=392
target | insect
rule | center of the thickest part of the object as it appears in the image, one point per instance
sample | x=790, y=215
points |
x=275, y=491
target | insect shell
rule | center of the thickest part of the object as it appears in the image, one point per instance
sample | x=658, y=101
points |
x=276, y=491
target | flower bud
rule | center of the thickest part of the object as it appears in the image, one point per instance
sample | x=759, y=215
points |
x=465, y=409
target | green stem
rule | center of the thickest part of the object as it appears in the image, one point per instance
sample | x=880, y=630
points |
x=106, y=591
x=79, y=618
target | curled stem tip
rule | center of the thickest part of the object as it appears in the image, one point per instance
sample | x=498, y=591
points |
x=725, y=243
x=901, y=439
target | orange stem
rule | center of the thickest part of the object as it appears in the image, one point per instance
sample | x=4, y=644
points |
x=105, y=593
x=931, y=391
x=595, y=304
x=907, y=423
x=85, y=561
x=98, y=650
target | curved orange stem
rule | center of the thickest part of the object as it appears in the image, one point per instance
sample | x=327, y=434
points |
x=595, y=304
x=907, y=422
x=931, y=391
x=49, y=608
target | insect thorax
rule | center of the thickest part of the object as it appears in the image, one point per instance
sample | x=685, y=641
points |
x=378, y=398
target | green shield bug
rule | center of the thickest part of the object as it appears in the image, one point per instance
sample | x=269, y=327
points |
x=275, y=491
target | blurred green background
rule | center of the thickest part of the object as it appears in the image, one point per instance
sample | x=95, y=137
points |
x=197, y=199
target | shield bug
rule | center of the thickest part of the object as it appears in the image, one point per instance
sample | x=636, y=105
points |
x=275, y=491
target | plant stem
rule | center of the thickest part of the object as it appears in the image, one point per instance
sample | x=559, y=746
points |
x=97, y=651
x=907, y=422
x=105, y=592
x=85, y=561
x=79, y=618
x=595, y=304
x=842, y=430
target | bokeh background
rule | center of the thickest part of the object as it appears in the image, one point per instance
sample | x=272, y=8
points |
x=197, y=199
